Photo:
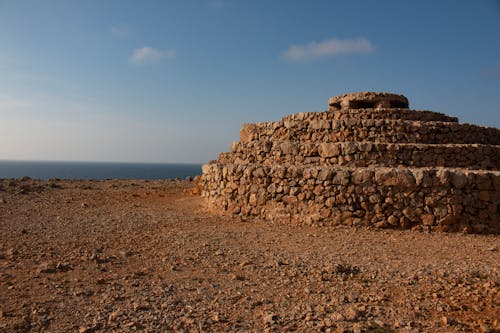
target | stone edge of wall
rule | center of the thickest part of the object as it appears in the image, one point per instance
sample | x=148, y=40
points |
x=439, y=199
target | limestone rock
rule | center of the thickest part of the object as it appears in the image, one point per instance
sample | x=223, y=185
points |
x=368, y=160
x=367, y=100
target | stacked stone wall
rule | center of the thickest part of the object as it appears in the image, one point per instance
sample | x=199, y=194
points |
x=430, y=198
x=381, y=167
x=396, y=114
x=375, y=130
x=362, y=154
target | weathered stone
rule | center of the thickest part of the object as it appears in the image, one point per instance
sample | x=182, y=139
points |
x=362, y=176
x=365, y=146
x=286, y=148
x=444, y=176
x=458, y=179
x=341, y=178
x=320, y=124
x=405, y=222
x=411, y=214
x=395, y=177
x=374, y=198
x=483, y=182
x=428, y=219
x=349, y=148
x=246, y=132
x=393, y=220
x=423, y=177
x=449, y=220
x=289, y=199
x=380, y=224
x=252, y=199
x=289, y=124
x=367, y=100
x=325, y=174
x=259, y=173
x=329, y=149
x=360, y=165
x=440, y=211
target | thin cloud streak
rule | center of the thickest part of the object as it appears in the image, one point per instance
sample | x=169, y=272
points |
x=149, y=55
x=327, y=48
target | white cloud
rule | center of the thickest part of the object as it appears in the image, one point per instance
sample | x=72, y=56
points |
x=149, y=54
x=330, y=47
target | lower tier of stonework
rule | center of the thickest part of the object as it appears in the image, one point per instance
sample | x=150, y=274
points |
x=420, y=198
x=362, y=154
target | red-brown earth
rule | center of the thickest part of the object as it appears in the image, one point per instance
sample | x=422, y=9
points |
x=121, y=256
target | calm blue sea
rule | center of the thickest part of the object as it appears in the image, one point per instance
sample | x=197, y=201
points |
x=96, y=170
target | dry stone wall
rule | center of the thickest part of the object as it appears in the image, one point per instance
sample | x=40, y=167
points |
x=375, y=130
x=378, y=167
x=401, y=114
x=362, y=154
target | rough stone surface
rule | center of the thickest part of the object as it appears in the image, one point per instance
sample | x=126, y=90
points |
x=367, y=100
x=367, y=162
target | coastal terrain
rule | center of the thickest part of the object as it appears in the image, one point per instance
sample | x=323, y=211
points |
x=146, y=256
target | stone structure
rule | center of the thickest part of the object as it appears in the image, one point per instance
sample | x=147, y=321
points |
x=369, y=160
x=367, y=100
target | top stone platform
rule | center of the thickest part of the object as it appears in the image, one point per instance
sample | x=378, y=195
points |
x=367, y=100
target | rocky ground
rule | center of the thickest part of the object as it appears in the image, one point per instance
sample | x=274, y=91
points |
x=122, y=256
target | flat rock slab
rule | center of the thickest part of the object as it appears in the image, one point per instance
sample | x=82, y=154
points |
x=368, y=100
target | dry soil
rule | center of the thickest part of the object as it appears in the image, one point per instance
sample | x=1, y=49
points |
x=122, y=256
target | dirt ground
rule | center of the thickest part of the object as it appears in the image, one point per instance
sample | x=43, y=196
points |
x=125, y=256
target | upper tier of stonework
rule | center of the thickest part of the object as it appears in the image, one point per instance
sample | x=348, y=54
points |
x=368, y=100
x=367, y=161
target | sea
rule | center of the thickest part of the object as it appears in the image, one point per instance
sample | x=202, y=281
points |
x=96, y=170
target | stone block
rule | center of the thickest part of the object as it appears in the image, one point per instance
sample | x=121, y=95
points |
x=395, y=177
x=329, y=149
x=320, y=124
x=341, y=178
x=362, y=176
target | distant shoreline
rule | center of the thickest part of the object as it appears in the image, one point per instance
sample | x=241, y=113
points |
x=96, y=170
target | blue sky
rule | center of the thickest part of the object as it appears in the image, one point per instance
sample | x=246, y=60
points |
x=172, y=81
